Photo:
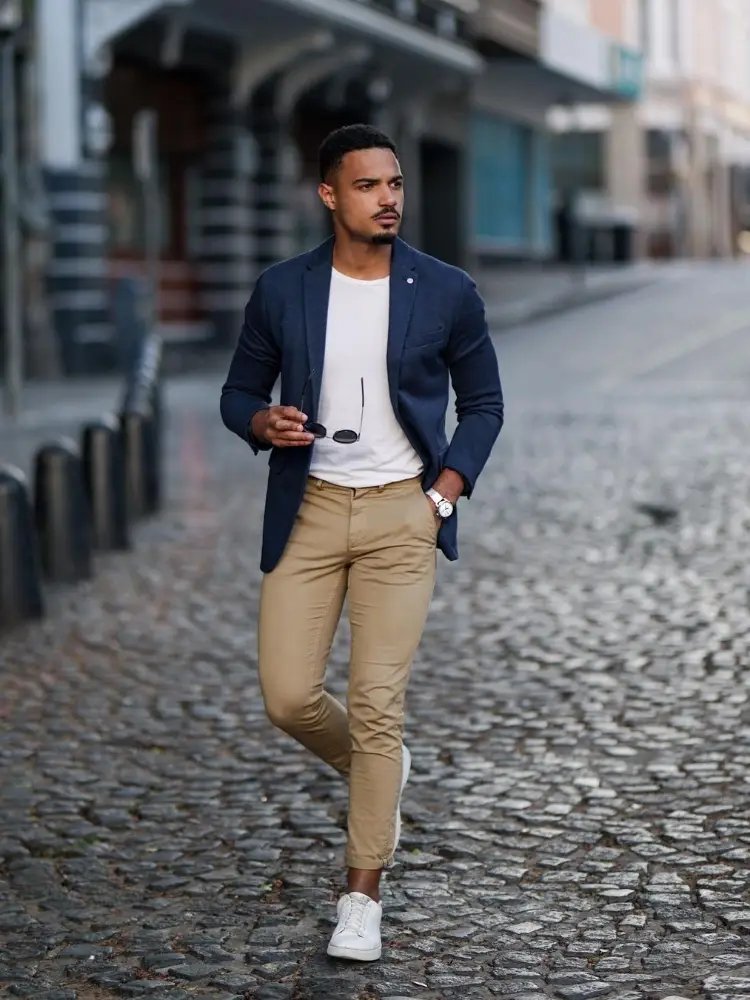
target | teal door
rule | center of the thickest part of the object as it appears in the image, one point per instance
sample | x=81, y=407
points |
x=510, y=186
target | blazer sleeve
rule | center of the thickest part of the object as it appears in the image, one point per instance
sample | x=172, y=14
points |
x=253, y=370
x=475, y=377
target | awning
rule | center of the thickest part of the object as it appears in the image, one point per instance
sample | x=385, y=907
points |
x=352, y=21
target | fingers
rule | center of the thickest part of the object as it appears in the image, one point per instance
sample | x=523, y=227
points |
x=286, y=418
x=286, y=427
x=291, y=413
x=280, y=425
x=288, y=439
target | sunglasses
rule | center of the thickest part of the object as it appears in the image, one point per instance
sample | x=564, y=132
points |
x=319, y=431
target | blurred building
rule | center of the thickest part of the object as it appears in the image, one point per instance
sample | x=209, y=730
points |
x=696, y=117
x=521, y=124
x=539, y=55
x=243, y=93
x=679, y=160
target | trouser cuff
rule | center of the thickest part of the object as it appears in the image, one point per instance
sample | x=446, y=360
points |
x=368, y=863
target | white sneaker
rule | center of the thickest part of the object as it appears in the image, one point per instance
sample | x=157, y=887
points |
x=405, y=768
x=357, y=934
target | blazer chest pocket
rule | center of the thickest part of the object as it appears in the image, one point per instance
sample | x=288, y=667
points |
x=433, y=336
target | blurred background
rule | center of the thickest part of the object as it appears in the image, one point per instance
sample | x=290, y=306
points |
x=176, y=140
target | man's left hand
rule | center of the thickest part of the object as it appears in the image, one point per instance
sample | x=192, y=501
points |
x=449, y=484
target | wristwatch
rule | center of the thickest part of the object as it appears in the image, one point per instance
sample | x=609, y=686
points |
x=444, y=507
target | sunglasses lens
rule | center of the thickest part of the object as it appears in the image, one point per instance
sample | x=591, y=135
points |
x=345, y=437
x=317, y=430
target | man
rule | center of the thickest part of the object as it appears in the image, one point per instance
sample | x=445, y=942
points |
x=363, y=483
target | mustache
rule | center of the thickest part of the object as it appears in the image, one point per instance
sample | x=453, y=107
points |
x=388, y=211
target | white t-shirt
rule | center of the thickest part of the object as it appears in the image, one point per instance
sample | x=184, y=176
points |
x=356, y=341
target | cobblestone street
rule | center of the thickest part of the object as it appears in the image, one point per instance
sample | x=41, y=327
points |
x=577, y=823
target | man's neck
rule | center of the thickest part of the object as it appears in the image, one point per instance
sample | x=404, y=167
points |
x=367, y=261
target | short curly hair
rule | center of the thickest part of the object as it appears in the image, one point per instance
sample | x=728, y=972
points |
x=347, y=139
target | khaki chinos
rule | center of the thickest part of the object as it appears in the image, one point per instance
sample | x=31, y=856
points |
x=376, y=545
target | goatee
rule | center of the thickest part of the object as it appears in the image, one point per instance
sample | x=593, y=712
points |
x=384, y=239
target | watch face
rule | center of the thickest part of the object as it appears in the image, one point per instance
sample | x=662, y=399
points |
x=445, y=508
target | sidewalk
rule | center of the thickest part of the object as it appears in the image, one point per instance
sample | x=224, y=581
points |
x=52, y=409
x=519, y=293
x=60, y=408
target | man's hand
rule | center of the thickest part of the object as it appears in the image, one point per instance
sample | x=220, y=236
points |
x=281, y=426
x=449, y=484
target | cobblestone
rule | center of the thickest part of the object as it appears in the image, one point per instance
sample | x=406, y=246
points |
x=577, y=823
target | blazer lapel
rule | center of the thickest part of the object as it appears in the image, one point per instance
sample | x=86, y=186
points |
x=403, y=288
x=317, y=286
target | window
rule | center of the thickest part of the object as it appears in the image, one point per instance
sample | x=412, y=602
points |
x=644, y=26
x=674, y=32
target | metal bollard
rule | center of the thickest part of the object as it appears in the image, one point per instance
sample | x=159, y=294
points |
x=134, y=430
x=104, y=481
x=141, y=424
x=157, y=461
x=20, y=588
x=62, y=513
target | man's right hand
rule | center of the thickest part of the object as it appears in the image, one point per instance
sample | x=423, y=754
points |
x=281, y=426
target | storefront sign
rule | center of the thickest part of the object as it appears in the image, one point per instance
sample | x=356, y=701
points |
x=627, y=72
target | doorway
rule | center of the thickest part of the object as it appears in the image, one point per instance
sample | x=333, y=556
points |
x=441, y=201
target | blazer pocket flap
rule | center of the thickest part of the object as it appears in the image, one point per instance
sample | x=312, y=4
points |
x=423, y=338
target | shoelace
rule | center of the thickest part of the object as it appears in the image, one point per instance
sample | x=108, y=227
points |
x=354, y=919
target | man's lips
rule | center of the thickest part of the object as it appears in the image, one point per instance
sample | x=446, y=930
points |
x=388, y=217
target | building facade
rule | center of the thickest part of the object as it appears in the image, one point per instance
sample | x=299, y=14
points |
x=679, y=159
x=538, y=55
x=242, y=95
x=696, y=117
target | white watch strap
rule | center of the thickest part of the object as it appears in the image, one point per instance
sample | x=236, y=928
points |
x=434, y=495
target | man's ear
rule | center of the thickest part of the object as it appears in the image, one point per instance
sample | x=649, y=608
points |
x=327, y=196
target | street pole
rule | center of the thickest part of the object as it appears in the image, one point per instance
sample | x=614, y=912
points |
x=11, y=241
x=147, y=169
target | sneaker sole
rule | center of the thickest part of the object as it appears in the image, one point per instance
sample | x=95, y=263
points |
x=355, y=954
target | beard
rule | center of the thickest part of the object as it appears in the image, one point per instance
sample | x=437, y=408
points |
x=383, y=239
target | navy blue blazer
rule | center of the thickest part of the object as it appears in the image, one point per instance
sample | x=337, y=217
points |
x=437, y=329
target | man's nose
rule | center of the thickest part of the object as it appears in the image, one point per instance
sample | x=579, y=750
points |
x=388, y=197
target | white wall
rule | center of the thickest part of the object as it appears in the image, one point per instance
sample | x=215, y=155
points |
x=578, y=10
x=734, y=48
x=705, y=41
x=573, y=48
x=59, y=83
x=666, y=34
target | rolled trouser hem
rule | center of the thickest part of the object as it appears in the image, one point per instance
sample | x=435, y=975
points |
x=367, y=862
